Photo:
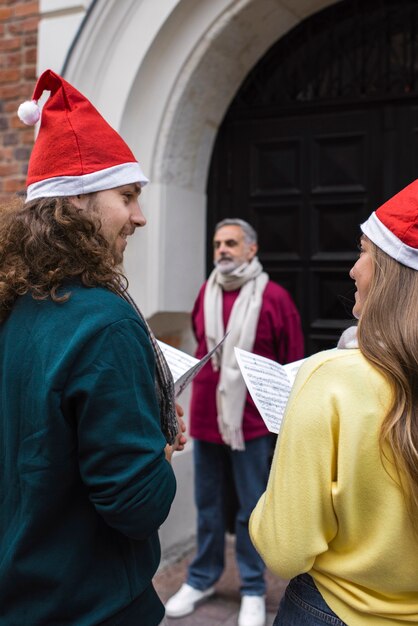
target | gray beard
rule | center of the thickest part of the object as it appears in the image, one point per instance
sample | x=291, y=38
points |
x=227, y=267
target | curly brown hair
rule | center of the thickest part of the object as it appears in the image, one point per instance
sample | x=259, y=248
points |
x=48, y=241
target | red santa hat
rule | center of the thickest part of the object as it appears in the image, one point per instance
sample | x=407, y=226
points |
x=76, y=151
x=394, y=226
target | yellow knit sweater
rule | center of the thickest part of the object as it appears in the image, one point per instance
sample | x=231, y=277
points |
x=331, y=507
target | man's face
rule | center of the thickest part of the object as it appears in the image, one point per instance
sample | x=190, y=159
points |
x=230, y=250
x=119, y=213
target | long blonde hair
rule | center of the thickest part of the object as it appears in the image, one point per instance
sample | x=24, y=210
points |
x=388, y=338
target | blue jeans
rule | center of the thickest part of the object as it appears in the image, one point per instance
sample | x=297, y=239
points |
x=250, y=470
x=303, y=605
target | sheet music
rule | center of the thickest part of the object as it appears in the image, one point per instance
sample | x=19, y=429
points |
x=178, y=361
x=183, y=366
x=269, y=384
x=292, y=369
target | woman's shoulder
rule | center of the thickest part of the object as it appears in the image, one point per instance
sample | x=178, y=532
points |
x=333, y=384
x=334, y=359
x=337, y=368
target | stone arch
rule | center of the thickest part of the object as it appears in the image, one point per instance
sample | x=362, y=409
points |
x=174, y=80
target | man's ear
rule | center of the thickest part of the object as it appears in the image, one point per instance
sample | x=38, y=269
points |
x=252, y=251
x=80, y=201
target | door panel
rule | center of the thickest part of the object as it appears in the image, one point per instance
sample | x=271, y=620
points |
x=305, y=183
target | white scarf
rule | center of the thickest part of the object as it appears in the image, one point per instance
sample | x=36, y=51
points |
x=348, y=339
x=242, y=326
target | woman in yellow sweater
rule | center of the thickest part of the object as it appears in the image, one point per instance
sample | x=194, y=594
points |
x=340, y=513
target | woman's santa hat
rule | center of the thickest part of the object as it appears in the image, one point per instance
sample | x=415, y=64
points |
x=394, y=226
x=76, y=151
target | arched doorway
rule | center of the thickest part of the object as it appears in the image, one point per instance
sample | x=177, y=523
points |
x=321, y=132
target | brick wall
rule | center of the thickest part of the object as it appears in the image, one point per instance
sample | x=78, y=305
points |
x=18, y=50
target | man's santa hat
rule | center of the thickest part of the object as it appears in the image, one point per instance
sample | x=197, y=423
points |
x=393, y=227
x=76, y=151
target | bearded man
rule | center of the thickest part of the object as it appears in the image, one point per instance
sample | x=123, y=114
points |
x=231, y=441
x=88, y=421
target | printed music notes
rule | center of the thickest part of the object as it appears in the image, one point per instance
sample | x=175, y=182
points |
x=269, y=384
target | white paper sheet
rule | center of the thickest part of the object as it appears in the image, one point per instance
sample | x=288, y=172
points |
x=183, y=366
x=269, y=384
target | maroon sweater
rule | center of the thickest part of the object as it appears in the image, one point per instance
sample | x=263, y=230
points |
x=278, y=337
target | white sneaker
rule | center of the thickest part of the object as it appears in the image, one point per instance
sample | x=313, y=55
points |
x=186, y=600
x=252, y=611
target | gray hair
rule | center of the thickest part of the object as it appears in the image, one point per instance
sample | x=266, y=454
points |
x=250, y=234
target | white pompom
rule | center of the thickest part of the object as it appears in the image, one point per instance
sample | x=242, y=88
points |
x=29, y=112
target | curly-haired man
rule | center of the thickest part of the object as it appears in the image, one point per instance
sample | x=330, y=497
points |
x=88, y=422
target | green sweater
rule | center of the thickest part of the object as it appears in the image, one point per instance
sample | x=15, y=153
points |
x=331, y=507
x=84, y=483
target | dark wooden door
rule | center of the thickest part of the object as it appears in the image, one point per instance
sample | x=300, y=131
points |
x=306, y=183
x=311, y=145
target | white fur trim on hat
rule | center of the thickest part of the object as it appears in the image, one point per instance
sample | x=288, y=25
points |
x=385, y=239
x=108, y=178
